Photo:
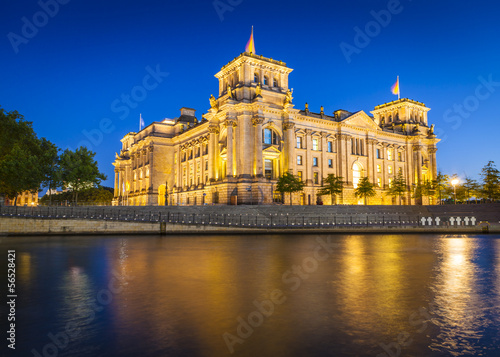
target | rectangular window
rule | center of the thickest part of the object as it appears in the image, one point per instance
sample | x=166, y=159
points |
x=379, y=169
x=378, y=154
x=299, y=160
x=299, y=175
x=206, y=164
x=379, y=182
x=330, y=163
x=389, y=169
x=389, y=154
x=330, y=146
x=299, y=142
x=315, y=161
x=268, y=164
x=400, y=156
x=315, y=145
x=400, y=170
x=390, y=182
x=316, y=178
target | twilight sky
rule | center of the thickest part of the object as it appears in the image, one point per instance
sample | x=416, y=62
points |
x=83, y=71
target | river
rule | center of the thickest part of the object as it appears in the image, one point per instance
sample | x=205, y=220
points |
x=267, y=295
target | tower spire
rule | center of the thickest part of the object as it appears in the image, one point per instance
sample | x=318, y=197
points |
x=250, y=47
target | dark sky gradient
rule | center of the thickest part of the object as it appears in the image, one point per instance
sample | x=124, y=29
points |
x=67, y=76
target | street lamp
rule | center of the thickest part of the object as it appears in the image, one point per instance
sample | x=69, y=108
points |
x=454, y=183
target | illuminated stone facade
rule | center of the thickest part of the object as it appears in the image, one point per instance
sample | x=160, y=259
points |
x=26, y=198
x=252, y=134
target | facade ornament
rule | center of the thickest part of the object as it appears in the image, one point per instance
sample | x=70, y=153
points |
x=432, y=150
x=431, y=130
x=288, y=125
x=322, y=112
x=308, y=131
x=307, y=108
x=231, y=122
x=288, y=98
x=257, y=120
x=258, y=90
x=213, y=129
x=324, y=134
x=230, y=92
x=214, y=104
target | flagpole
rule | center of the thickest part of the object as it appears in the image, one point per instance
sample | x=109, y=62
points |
x=398, y=89
x=140, y=120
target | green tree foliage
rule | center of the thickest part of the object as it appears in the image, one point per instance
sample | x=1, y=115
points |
x=24, y=158
x=288, y=183
x=491, y=181
x=90, y=196
x=78, y=170
x=365, y=189
x=470, y=188
x=423, y=189
x=398, y=187
x=441, y=186
x=333, y=186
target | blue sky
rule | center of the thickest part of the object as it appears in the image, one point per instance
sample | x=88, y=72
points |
x=68, y=65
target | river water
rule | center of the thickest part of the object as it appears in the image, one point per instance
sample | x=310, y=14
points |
x=274, y=295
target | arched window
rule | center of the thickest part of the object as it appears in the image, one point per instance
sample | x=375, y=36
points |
x=275, y=82
x=390, y=118
x=256, y=78
x=270, y=137
x=266, y=80
x=356, y=174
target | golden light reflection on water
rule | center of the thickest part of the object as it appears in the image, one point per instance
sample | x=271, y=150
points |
x=460, y=309
x=182, y=293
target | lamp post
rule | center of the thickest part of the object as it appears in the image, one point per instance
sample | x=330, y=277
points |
x=454, y=183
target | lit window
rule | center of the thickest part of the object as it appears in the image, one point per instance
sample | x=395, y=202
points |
x=315, y=161
x=299, y=142
x=356, y=175
x=400, y=156
x=390, y=182
x=315, y=145
x=379, y=182
x=330, y=146
x=316, y=178
x=299, y=160
x=389, y=169
x=299, y=175
x=330, y=163
x=400, y=170
x=379, y=169
x=389, y=154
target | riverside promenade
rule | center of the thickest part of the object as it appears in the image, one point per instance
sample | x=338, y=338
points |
x=483, y=218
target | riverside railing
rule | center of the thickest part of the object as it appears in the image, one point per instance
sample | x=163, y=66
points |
x=258, y=220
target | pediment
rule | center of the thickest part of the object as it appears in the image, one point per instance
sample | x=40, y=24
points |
x=271, y=150
x=361, y=120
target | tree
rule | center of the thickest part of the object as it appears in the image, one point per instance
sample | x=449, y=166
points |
x=491, y=181
x=332, y=185
x=470, y=188
x=288, y=183
x=23, y=156
x=78, y=170
x=440, y=185
x=398, y=187
x=365, y=189
x=423, y=189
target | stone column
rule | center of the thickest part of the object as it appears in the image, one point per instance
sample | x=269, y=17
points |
x=150, y=166
x=289, y=156
x=230, y=124
x=117, y=183
x=432, y=156
x=347, y=150
x=213, y=129
x=257, y=124
x=308, y=158
x=324, y=161
x=418, y=164
x=371, y=153
x=339, y=155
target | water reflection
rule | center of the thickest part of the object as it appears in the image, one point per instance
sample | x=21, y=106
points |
x=177, y=296
x=461, y=298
